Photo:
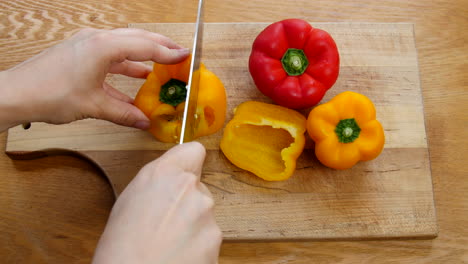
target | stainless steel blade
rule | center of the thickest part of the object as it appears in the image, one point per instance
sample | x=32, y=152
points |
x=189, y=119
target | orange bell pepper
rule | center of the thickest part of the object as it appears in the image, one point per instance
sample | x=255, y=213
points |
x=162, y=99
x=264, y=139
x=345, y=131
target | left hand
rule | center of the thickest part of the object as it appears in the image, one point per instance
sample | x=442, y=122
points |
x=67, y=82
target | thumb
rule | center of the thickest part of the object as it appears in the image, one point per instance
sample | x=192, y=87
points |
x=189, y=157
x=121, y=113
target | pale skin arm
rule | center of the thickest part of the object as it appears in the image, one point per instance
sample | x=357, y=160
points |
x=67, y=82
x=165, y=215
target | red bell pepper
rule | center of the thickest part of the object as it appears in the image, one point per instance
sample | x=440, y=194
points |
x=293, y=63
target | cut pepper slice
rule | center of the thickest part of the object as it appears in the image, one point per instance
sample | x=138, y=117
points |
x=265, y=139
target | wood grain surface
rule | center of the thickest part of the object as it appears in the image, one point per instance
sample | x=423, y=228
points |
x=389, y=197
x=45, y=218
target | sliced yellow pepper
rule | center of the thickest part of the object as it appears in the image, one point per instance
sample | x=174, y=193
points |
x=345, y=131
x=162, y=99
x=264, y=139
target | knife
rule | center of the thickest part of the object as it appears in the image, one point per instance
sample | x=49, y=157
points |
x=188, y=122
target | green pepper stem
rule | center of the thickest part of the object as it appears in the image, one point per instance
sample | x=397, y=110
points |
x=173, y=92
x=347, y=130
x=294, y=62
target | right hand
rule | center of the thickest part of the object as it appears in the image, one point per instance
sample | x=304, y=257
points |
x=165, y=215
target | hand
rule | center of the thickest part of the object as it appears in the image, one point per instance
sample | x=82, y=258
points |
x=67, y=82
x=164, y=215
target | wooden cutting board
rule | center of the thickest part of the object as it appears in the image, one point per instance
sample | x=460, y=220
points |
x=389, y=197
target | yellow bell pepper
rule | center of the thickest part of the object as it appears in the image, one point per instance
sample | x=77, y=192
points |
x=345, y=131
x=162, y=99
x=264, y=139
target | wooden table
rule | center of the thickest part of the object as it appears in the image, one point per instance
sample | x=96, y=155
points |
x=53, y=210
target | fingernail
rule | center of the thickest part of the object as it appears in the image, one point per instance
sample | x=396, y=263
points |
x=184, y=51
x=142, y=124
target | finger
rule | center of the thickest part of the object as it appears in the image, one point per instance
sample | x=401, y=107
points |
x=116, y=93
x=189, y=157
x=136, y=32
x=121, y=113
x=131, y=69
x=120, y=48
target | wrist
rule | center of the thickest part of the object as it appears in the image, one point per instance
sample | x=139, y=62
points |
x=12, y=107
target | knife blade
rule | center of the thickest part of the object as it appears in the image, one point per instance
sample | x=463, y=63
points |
x=188, y=122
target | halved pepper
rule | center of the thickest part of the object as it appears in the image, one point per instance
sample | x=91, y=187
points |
x=345, y=131
x=162, y=99
x=264, y=139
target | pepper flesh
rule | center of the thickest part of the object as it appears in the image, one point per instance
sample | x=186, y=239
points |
x=264, y=139
x=166, y=119
x=293, y=63
x=345, y=131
